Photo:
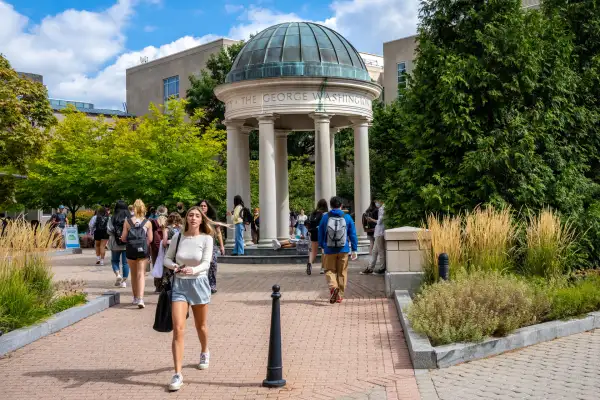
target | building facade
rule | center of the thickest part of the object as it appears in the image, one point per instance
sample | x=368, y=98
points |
x=156, y=81
x=399, y=56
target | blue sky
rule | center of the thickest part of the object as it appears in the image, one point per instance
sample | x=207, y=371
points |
x=84, y=48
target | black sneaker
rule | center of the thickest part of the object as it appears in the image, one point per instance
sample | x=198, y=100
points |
x=380, y=271
x=308, y=269
x=366, y=271
x=213, y=290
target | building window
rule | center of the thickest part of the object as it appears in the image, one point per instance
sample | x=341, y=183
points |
x=402, y=74
x=171, y=87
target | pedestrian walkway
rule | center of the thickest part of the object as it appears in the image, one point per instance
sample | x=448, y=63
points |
x=565, y=368
x=354, y=350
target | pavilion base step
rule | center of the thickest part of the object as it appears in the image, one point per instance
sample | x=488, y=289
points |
x=275, y=258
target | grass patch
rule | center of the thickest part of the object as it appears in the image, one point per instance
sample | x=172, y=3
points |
x=27, y=292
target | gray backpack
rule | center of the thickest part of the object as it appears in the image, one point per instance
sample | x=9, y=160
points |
x=336, y=232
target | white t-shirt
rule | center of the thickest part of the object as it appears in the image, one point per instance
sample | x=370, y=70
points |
x=302, y=219
x=193, y=251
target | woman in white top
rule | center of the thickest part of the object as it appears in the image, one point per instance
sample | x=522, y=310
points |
x=191, y=286
x=301, y=229
x=137, y=257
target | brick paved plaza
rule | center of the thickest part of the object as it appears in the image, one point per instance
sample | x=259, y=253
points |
x=350, y=351
x=355, y=350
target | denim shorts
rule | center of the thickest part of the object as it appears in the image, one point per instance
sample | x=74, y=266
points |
x=192, y=291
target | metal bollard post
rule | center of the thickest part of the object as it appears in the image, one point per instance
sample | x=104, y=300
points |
x=443, y=266
x=275, y=365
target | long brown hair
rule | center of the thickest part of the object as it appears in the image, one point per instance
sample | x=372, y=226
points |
x=206, y=224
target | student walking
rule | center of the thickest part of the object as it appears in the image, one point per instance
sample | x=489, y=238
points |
x=337, y=234
x=209, y=211
x=189, y=256
x=379, y=246
x=99, y=226
x=313, y=224
x=238, y=221
x=116, y=246
x=137, y=234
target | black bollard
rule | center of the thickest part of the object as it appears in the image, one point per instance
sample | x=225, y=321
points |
x=443, y=266
x=275, y=366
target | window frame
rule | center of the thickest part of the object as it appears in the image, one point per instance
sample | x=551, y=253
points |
x=170, y=88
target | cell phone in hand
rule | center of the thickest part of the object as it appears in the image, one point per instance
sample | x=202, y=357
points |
x=180, y=269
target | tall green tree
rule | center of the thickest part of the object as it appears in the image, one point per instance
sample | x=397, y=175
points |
x=66, y=172
x=162, y=158
x=201, y=92
x=490, y=115
x=25, y=115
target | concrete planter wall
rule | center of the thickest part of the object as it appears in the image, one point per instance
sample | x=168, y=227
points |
x=426, y=356
x=24, y=336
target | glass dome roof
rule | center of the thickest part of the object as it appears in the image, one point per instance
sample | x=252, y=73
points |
x=298, y=49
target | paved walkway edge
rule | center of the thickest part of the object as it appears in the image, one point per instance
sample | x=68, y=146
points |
x=24, y=336
x=424, y=355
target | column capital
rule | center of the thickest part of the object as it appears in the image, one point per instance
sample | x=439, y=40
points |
x=333, y=131
x=320, y=117
x=281, y=133
x=357, y=121
x=233, y=123
x=266, y=118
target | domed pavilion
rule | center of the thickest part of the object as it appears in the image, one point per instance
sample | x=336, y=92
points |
x=296, y=76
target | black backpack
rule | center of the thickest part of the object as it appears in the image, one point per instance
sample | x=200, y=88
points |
x=315, y=219
x=101, y=223
x=137, y=243
x=118, y=227
x=246, y=215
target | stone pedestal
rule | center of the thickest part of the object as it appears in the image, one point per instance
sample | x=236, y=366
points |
x=405, y=257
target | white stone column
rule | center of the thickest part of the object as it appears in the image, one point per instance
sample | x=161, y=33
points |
x=233, y=186
x=332, y=162
x=267, y=180
x=317, y=168
x=283, y=194
x=323, y=167
x=244, y=178
x=362, y=178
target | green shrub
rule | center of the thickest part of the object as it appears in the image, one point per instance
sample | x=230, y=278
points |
x=38, y=276
x=475, y=307
x=575, y=299
x=19, y=305
x=82, y=220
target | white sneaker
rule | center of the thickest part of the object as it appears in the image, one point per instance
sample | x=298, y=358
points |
x=276, y=244
x=204, y=360
x=123, y=284
x=322, y=271
x=119, y=280
x=176, y=382
x=101, y=262
x=141, y=304
x=135, y=301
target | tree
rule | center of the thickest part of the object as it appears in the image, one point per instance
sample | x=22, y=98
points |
x=66, y=172
x=25, y=115
x=201, y=92
x=163, y=159
x=490, y=115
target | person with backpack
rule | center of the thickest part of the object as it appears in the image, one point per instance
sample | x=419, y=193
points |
x=137, y=235
x=99, y=227
x=239, y=220
x=313, y=229
x=209, y=212
x=116, y=246
x=337, y=236
x=189, y=256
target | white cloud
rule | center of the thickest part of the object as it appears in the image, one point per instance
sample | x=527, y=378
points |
x=367, y=24
x=149, y=28
x=257, y=19
x=233, y=8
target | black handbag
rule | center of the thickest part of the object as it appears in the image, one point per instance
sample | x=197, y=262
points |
x=163, y=319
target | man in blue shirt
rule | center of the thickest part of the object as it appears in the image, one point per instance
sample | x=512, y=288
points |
x=337, y=235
